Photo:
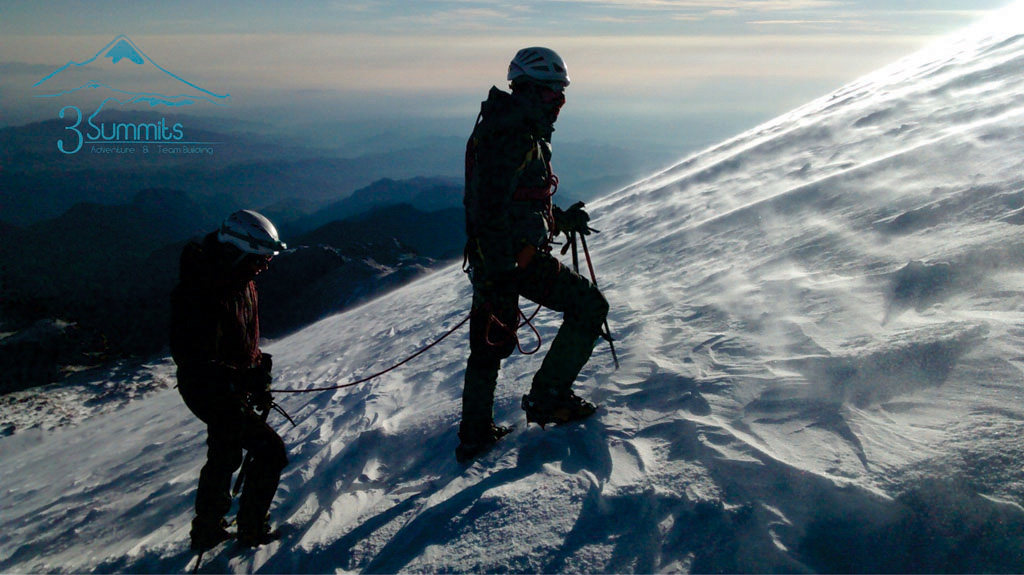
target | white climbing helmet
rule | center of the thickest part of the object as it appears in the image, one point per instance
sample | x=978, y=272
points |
x=252, y=233
x=541, y=65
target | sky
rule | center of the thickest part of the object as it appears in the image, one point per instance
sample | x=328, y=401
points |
x=663, y=71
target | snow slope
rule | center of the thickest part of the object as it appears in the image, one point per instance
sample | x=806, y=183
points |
x=819, y=323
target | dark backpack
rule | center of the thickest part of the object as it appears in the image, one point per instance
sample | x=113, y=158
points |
x=496, y=116
x=195, y=274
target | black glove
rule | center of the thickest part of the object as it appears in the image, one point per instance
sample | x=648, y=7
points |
x=254, y=379
x=255, y=385
x=573, y=219
x=261, y=400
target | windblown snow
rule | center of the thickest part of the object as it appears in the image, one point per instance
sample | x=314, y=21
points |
x=820, y=324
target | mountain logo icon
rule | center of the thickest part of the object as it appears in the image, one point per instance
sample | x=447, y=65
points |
x=121, y=72
x=124, y=49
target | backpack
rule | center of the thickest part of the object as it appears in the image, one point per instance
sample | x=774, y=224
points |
x=194, y=272
x=541, y=182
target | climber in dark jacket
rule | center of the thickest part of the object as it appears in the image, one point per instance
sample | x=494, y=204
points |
x=510, y=221
x=223, y=376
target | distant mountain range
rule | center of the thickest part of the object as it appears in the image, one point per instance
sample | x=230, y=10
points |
x=253, y=170
x=436, y=234
x=425, y=194
x=252, y=167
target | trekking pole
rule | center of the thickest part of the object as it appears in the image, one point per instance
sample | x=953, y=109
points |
x=607, y=330
x=575, y=254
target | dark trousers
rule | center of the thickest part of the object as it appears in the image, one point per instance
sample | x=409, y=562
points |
x=495, y=316
x=233, y=426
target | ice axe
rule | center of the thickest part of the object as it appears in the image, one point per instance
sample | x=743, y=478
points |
x=593, y=277
x=607, y=335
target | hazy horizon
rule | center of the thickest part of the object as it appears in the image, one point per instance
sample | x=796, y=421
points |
x=647, y=74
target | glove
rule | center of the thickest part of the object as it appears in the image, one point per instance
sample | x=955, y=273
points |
x=266, y=361
x=261, y=400
x=573, y=219
x=254, y=379
x=255, y=385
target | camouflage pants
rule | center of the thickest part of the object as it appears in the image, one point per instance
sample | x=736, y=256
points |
x=231, y=427
x=491, y=337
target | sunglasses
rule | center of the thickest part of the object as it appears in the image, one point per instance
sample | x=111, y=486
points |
x=238, y=258
x=552, y=96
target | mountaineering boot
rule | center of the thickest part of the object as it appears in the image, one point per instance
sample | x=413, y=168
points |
x=260, y=535
x=473, y=444
x=544, y=408
x=208, y=533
